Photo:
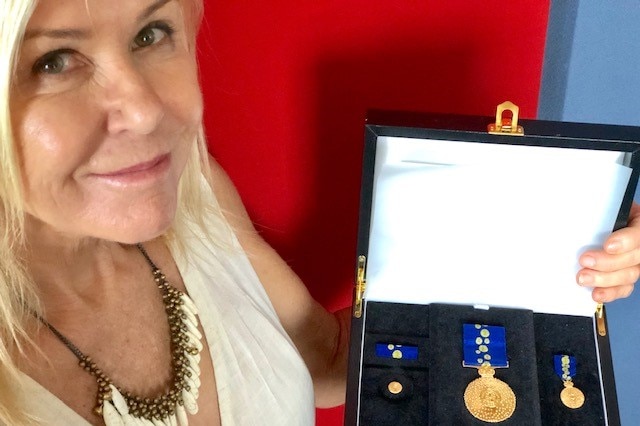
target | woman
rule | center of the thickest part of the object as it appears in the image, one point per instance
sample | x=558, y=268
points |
x=102, y=149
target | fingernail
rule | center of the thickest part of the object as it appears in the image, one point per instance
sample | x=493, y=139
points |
x=614, y=246
x=585, y=279
x=588, y=261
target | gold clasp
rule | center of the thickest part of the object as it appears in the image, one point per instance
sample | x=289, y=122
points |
x=600, y=320
x=360, y=286
x=506, y=126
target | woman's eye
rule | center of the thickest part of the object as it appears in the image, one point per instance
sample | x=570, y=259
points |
x=52, y=63
x=152, y=34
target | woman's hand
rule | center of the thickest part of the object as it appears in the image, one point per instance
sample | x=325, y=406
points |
x=613, y=271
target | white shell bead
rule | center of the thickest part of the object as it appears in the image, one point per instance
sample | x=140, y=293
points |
x=193, y=364
x=195, y=358
x=118, y=401
x=172, y=420
x=181, y=414
x=194, y=388
x=195, y=379
x=191, y=318
x=110, y=415
x=190, y=403
x=135, y=421
x=193, y=329
x=130, y=420
x=191, y=315
x=188, y=303
x=195, y=342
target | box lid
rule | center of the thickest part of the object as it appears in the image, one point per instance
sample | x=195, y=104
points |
x=460, y=216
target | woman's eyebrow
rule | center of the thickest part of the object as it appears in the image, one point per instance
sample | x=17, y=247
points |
x=152, y=9
x=72, y=33
x=61, y=33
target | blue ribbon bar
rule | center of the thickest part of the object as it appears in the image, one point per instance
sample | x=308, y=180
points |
x=390, y=350
x=565, y=366
x=484, y=345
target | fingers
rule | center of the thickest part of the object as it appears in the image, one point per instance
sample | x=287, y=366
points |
x=609, y=286
x=609, y=294
x=625, y=239
x=604, y=261
x=613, y=271
x=622, y=277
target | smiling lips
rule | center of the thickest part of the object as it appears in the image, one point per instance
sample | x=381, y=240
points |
x=137, y=173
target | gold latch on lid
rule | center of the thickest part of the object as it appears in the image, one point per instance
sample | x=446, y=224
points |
x=506, y=126
x=600, y=320
x=360, y=285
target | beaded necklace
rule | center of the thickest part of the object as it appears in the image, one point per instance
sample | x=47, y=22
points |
x=118, y=406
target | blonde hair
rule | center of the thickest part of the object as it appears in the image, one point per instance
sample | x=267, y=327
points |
x=18, y=295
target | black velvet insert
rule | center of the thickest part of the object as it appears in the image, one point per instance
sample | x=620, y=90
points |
x=378, y=408
x=397, y=318
x=571, y=335
x=396, y=324
x=448, y=378
x=433, y=385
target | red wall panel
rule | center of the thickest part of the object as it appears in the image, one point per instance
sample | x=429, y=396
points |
x=287, y=84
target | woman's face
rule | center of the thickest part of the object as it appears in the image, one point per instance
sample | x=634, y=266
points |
x=105, y=108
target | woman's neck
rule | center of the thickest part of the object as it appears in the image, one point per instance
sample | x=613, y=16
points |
x=70, y=272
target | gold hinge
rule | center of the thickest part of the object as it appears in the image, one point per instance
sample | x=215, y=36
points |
x=506, y=126
x=360, y=286
x=600, y=320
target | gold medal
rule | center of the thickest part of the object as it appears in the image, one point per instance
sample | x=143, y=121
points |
x=571, y=396
x=566, y=368
x=395, y=387
x=489, y=399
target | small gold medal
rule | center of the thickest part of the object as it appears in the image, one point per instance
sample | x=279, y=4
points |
x=395, y=387
x=489, y=399
x=571, y=396
x=566, y=368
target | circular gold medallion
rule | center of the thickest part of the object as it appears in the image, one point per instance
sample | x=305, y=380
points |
x=571, y=397
x=489, y=399
x=394, y=387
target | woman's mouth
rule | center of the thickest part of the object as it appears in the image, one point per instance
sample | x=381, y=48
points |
x=136, y=174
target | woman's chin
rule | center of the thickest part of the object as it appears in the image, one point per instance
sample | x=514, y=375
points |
x=139, y=234
x=131, y=229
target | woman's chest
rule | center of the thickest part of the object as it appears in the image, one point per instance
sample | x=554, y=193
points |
x=154, y=368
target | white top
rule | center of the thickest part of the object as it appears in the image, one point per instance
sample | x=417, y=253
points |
x=260, y=376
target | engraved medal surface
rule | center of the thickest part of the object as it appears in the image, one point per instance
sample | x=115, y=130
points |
x=489, y=399
x=571, y=396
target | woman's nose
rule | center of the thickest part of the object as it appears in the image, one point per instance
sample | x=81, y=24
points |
x=133, y=103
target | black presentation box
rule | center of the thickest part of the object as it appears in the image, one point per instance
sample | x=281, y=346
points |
x=467, y=220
